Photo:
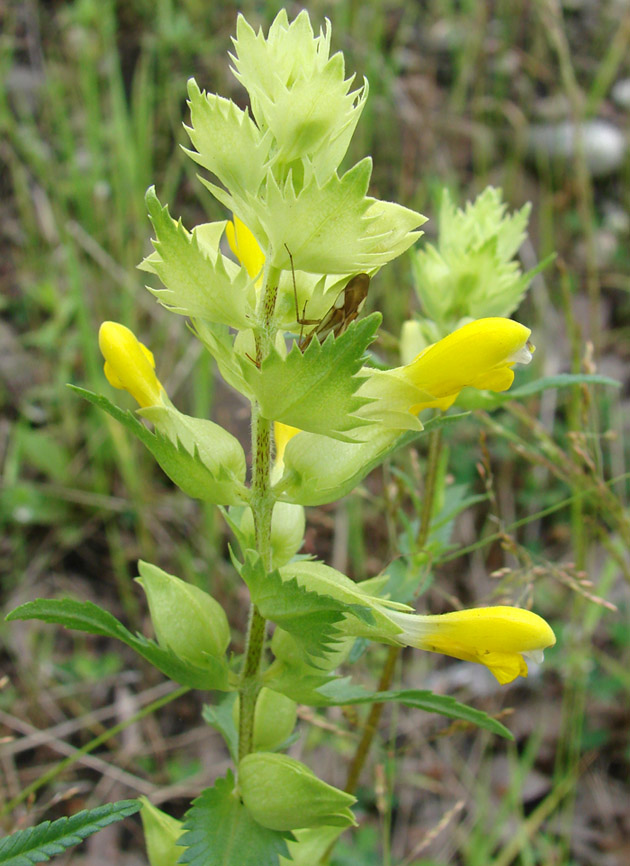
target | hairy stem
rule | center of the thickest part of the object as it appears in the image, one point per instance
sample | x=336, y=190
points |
x=262, y=507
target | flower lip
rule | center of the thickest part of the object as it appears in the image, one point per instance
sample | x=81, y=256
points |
x=537, y=656
x=523, y=355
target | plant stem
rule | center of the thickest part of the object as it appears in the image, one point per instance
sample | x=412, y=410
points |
x=387, y=674
x=371, y=723
x=262, y=502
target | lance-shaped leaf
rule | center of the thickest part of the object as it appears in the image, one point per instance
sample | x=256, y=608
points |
x=302, y=684
x=228, y=142
x=473, y=399
x=219, y=831
x=201, y=476
x=342, y=692
x=221, y=718
x=200, y=282
x=39, y=844
x=335, y=228
x=316, y=390
x=88, y=617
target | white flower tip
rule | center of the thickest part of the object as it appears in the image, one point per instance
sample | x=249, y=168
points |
x=536, y=655
x=523, y=355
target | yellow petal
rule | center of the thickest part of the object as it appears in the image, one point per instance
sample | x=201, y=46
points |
x=496, y=637
x=480, y=354
x=245, y=247
x=129, y=365
x=282, y=434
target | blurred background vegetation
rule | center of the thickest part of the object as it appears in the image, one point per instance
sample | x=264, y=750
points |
x=462, y=94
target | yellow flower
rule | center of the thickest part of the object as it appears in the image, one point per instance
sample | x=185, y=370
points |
x=282, y=434
x=129, y=365
x=480, y=355
x=245, y=247
x=497, y=637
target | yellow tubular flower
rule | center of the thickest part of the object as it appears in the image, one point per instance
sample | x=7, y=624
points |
x=245, y=247
x=481, y=354
x=129, y=365
x=497, y=637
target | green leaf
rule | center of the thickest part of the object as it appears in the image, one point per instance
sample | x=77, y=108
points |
x=186, y=469
x=88, y=617
x=200, y=282
x=38, y=844
x=220, y=718
x=472, y=399
x=315, y=390
x=302, y=683
x=219, y=831
x=308, y=616
x=341, y=692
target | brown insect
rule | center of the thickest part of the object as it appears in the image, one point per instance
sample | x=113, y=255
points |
x=347, y=306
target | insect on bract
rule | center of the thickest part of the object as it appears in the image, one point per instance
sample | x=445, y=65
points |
x=347, y=306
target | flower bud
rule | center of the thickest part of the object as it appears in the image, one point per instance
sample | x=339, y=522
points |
x=274, y=719
x=187, y=620
x=281, y=793
x=245, y=247
x=161, y=833
x=129, y=365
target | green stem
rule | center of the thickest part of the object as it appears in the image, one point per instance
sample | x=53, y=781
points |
x=371, y=724
x=262, y=502
x=387, y=674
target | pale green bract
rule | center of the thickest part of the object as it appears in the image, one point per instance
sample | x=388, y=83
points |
x=279, y=170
